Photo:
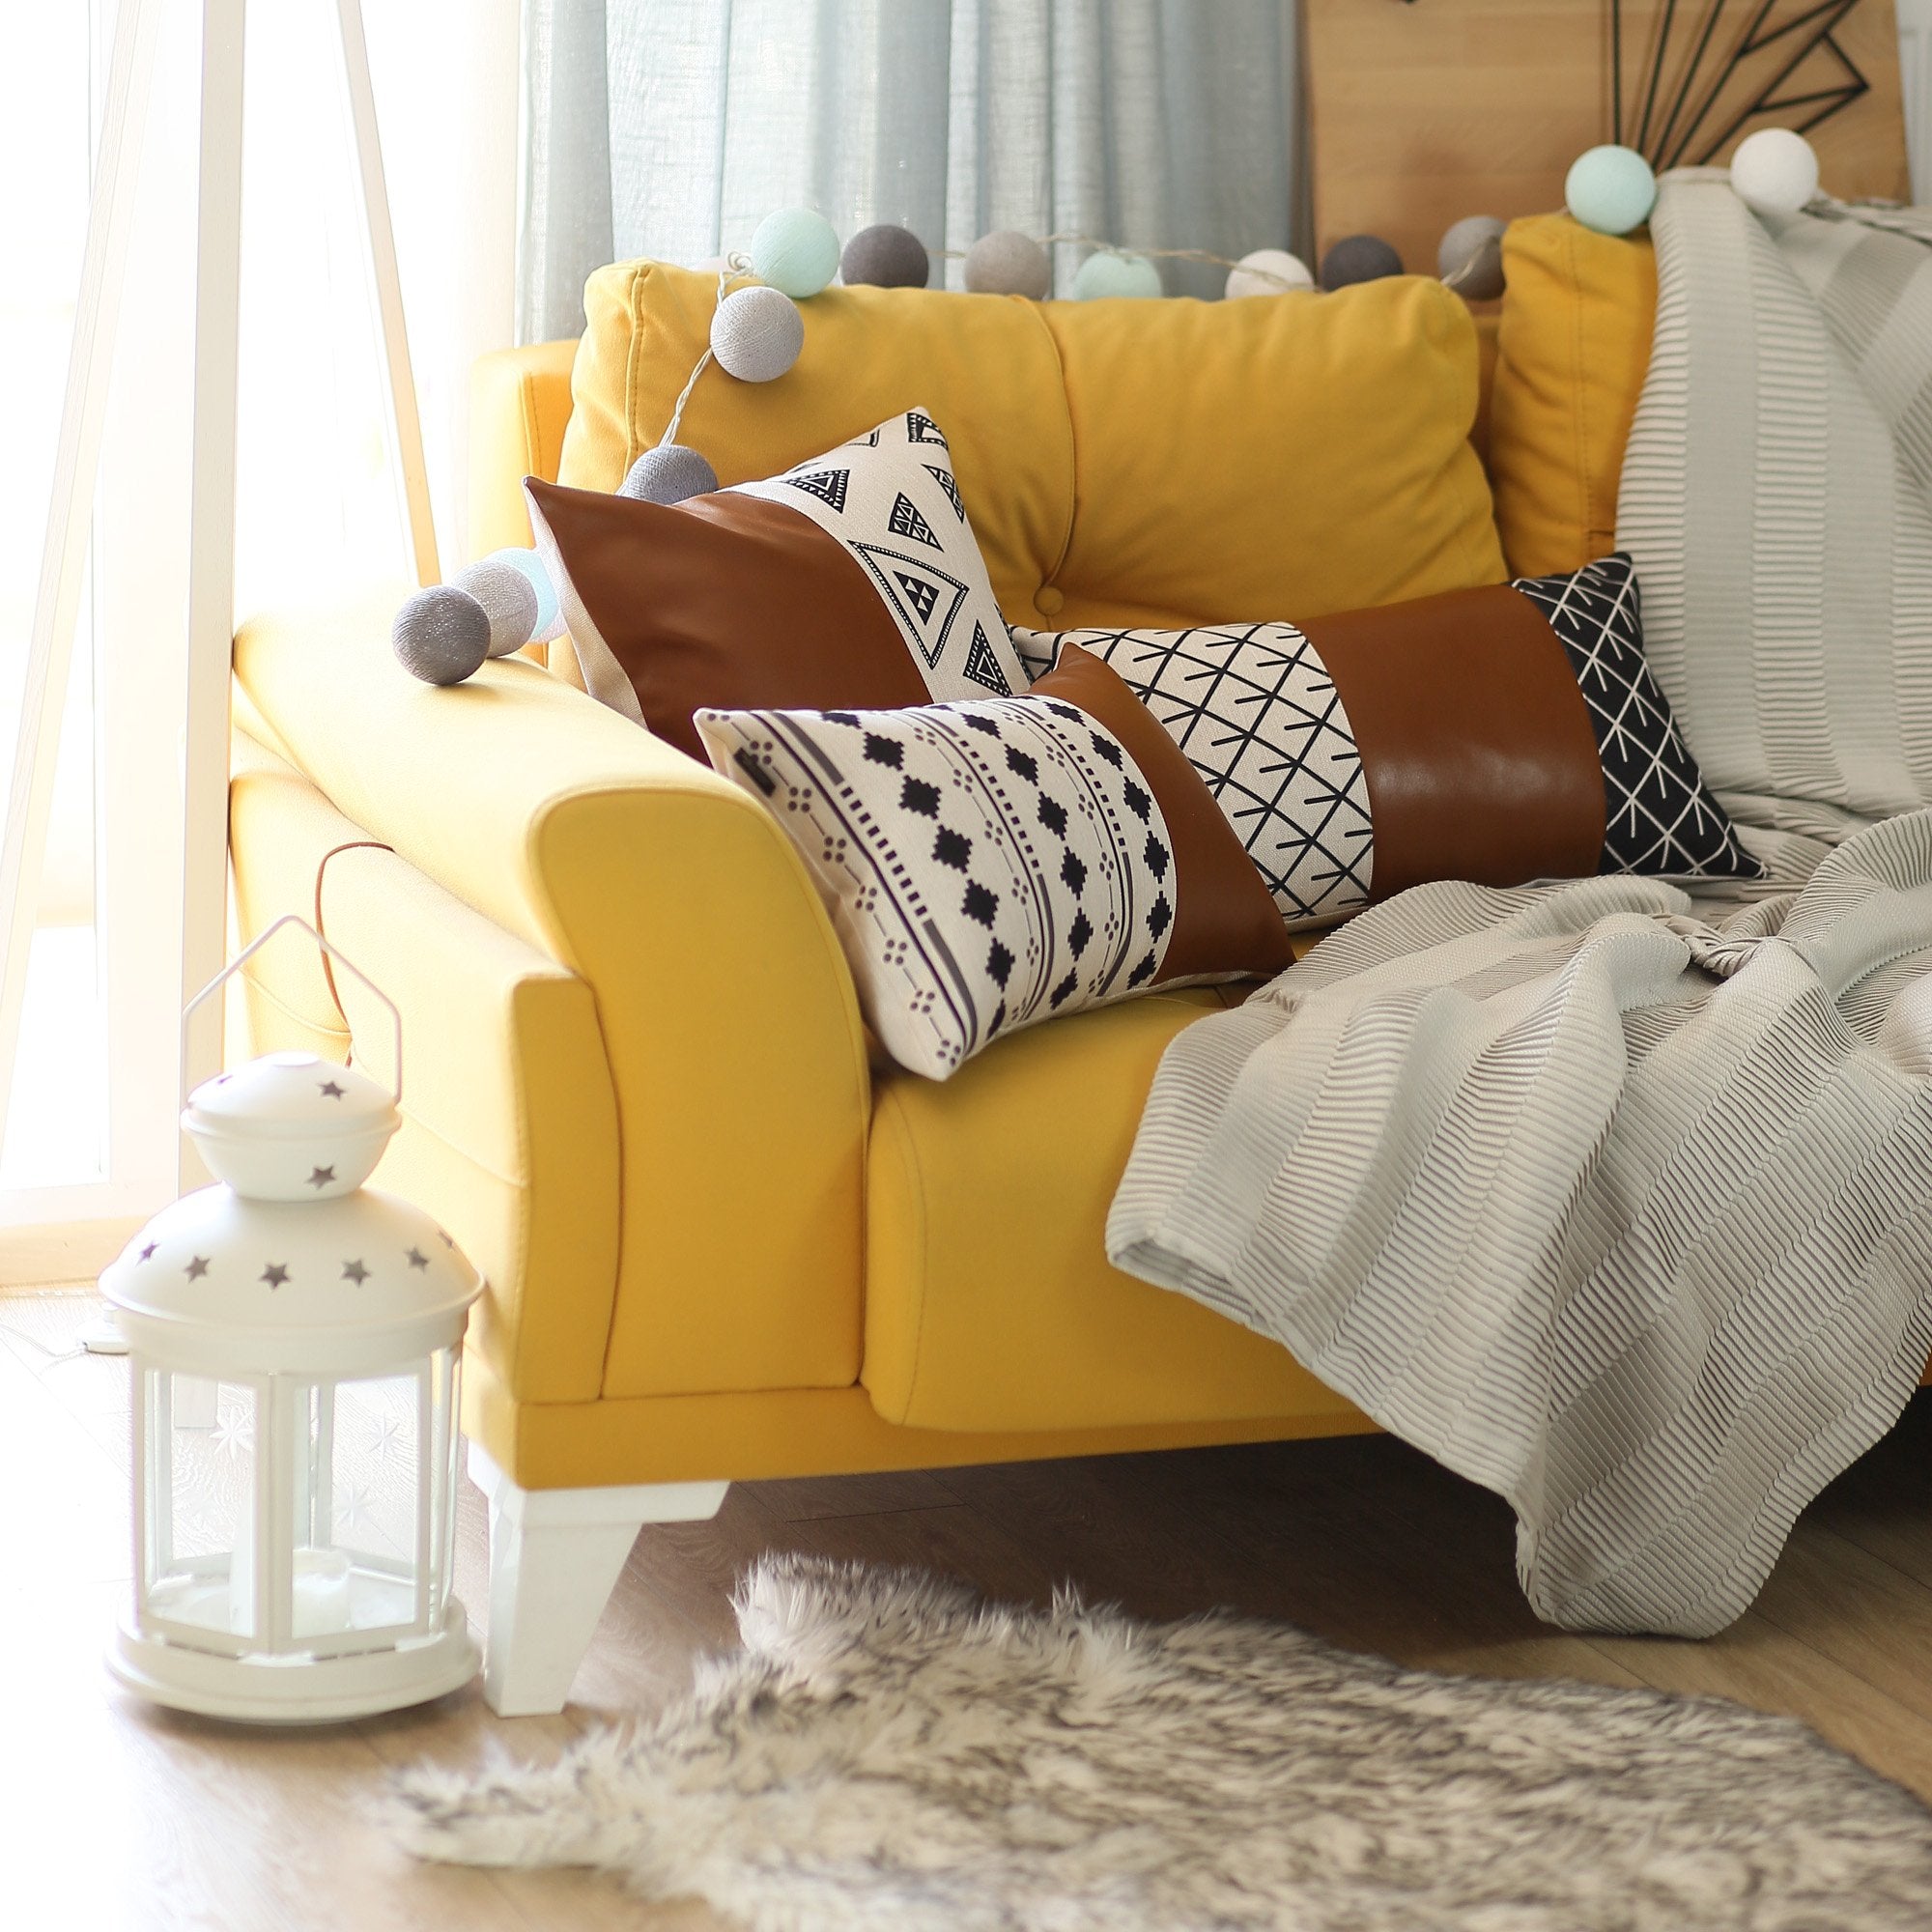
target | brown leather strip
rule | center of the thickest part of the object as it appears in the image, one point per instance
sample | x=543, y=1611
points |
x=1476, y=746
x=682, y=594
x=1225, y=921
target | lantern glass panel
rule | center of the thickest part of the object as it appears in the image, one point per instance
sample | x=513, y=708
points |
x=359, y=1512
x=198, y=1557
x=444, y=1440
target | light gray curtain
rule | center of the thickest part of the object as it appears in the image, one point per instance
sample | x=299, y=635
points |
x=671, y=128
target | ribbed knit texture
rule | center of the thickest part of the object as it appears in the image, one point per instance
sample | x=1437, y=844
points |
x=1615, y=1201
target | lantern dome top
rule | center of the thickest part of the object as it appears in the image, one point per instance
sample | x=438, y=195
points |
x=281, y=1285
x=293, y=1095
x=290, y=1127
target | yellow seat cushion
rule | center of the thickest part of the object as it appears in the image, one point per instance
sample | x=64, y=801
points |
x=1571, y=352
x=1155, y=462
x=989, y=1300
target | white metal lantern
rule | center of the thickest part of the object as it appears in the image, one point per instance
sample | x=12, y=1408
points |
x=294, y=1341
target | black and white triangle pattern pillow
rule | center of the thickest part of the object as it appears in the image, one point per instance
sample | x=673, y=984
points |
x=1660, y=818
x=1264, y=719
x=1260, y=719
x=986, y=864
x=890, y=499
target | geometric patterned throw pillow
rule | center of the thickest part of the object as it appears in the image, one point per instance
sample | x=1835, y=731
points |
x=1659, y=817
x=1258, y=715
x=1502, y=734
x=993, y=863
x=853, y=578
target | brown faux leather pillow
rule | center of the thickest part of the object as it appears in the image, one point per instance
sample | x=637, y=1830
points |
x=991, y=864
x=851, y=580
x=1500, y=736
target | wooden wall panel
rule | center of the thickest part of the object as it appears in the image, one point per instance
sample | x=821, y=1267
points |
x=1423, y=111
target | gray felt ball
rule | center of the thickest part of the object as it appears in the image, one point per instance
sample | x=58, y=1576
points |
x=756, y=333
x=1007, y=263
x=1470, y=257
x=1358, y=258
x=509, y=600
x=669, y=474
x=441, y=635
x=887, y=256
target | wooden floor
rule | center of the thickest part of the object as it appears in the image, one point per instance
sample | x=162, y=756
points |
x=115, y=1816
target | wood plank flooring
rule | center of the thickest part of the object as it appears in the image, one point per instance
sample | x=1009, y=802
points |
x=119, y=1817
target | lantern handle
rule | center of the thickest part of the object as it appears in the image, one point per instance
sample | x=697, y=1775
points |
x=348, y=965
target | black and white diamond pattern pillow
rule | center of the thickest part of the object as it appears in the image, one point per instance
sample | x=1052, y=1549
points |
x=986, y=863
x=1260, y=719
x=890, y=500
x=1659, y=817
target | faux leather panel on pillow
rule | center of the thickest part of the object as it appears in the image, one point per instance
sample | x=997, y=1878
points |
x=1474, y=738
x=667, y=590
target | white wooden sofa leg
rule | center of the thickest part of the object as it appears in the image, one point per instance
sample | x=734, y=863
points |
x=555, y=1557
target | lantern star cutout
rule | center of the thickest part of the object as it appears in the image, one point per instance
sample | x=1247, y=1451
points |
x=274, y=1274
x=355, y=1271
x=331, y=1091
x=417, y=1258
x=148, y=1253
x=196, y=1269
x=321, y=1176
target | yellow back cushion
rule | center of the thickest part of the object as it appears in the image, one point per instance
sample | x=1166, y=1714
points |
x=1571, y=352
x=1153, y=462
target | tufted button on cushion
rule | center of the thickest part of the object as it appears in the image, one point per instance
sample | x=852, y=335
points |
x=1047, y=601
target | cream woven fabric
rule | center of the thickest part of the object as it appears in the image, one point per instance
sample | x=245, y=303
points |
x=1618, y=1203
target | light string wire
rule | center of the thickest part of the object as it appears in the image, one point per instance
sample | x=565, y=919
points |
x=1069, y=239
x=737, y=266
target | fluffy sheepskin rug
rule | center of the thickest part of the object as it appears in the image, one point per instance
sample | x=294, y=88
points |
x=891, y=1753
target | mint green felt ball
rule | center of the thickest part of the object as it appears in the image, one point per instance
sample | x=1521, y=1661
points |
x=1109, y=275
x=795, y=250
x=1610, y=189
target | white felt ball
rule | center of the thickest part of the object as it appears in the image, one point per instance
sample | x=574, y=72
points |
x=441, y=635
x=796, y=250
x=1775, y=171
x=509, y=600
x=1105, y=273
x=669, y=474
x=1470, y=257
x=1007, y=263
x=756, y=333
x=1264, y=271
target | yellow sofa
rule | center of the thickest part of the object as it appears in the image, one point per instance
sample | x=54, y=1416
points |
x=724, y=1240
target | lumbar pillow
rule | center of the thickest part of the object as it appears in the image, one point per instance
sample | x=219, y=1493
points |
x=992, y=863
x=854, y=579
x=1502, y=734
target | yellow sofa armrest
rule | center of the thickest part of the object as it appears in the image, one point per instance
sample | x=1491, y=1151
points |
x=519, y=405
x=736, y=1052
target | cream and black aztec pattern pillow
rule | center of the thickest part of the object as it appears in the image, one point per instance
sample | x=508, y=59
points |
x=991, y=864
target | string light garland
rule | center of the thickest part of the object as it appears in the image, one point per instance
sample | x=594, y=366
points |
x=442, y=634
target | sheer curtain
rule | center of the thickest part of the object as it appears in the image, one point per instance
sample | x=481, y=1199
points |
x=670, y=128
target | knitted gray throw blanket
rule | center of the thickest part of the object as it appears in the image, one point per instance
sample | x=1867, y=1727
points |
x=1617, y=1202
